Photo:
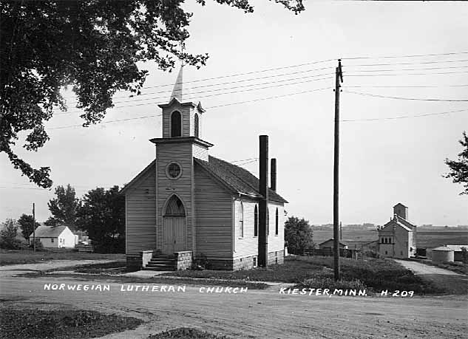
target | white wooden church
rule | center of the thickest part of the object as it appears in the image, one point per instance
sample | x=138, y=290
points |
x=187, y=205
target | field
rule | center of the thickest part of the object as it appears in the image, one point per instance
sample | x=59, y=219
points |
x=427, y=237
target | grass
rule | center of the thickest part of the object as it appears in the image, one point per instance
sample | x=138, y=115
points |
x=55, y=324
x=186, y=333
x=16, y=257
x=372, y=274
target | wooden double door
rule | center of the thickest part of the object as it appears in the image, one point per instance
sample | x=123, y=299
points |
x=174, y=226
x=174, y=235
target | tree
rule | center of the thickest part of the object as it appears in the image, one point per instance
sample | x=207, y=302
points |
x=298, y=235
x=102, y=216
x=459, y=169
x=26, y=225
x=92, y=46
x=8, y=233
x=63, y=208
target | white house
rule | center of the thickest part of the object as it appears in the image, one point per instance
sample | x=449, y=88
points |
x=190, y=205
x=397, y=238
x=54, y=236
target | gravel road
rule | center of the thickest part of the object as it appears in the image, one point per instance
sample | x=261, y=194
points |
x=453, y=282
x=252, y=314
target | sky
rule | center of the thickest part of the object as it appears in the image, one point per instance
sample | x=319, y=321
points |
x=403, y=109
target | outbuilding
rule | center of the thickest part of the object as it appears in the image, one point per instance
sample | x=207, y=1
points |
x=54, y=236
x=442, y=254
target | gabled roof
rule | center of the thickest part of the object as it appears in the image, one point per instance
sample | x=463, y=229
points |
x=331, y=239
x=394, y=222
x=404, y=221
x=237, y=179
x=400, y=204
x=49, y=231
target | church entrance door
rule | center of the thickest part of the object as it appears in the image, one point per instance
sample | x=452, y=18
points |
x=174, y=226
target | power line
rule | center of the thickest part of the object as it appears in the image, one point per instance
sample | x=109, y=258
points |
x=404, y=56
x=406, y=116
x=403, y=98
x=408, y=63
x=407, y=69
x=212, y=107
x=405, y=86
x=244, y=89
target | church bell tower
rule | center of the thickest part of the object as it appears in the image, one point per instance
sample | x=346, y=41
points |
x=181, y=142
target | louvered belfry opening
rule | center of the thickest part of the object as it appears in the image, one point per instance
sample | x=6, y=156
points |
x=174, y=208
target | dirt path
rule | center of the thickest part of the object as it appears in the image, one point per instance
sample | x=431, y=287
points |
x=452, y=282
x=253, y=314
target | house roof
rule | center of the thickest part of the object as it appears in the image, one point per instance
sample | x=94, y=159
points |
x=331, y=239
x=49, y=231
x=139, y=175
x=236, y=178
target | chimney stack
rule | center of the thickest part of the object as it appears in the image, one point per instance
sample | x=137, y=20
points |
x=263, y=204
x=273, y=174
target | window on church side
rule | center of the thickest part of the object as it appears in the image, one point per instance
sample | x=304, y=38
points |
x=276, y=222
x=240, y=220
x=255, y=221
x=176, y=124
x=196, y=126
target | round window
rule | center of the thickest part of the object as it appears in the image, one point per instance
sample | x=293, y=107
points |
x=174, y=171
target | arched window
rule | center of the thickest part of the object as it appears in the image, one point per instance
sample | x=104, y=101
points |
x=176, y=124
x=174, y=207
x=255, y=221
x=196, y=126
x=276, y=222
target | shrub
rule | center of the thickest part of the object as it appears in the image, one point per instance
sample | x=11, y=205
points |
x=331, y=284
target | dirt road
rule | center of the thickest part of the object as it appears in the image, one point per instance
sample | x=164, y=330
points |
x=452, y=282
x=252, y=314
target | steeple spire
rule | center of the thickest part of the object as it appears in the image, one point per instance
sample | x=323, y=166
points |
x=177, y=92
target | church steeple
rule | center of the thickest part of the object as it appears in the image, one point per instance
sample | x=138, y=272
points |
x=178, y=92
x=182, y=118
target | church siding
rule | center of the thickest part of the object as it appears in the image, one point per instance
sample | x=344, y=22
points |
x=141, y=215
x=248, y=244
x=213, y=218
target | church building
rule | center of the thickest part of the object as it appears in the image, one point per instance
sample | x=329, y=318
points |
x=189, y=207
x=397, y=238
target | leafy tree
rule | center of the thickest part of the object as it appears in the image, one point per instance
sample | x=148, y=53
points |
x=459, y=169
x=92, y=46
x=8, y=233
x=102, y=216
x=298, y=235
x=26, y=225
x=63, y=208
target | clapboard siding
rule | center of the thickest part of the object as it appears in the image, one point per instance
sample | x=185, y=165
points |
x=200, y=152
x=141, y=214
x=180, y=153
x=247, y=245
x=213, y=217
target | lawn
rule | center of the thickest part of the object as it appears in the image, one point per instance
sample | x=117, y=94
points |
x=61, y=324
x=316, y=272
x=16, y=257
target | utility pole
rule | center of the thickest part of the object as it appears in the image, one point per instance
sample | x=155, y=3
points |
x=34, y=227
x=336, y=215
